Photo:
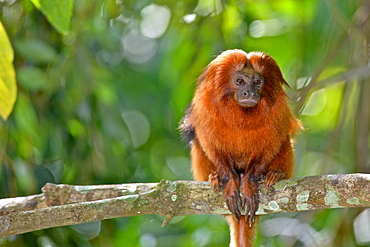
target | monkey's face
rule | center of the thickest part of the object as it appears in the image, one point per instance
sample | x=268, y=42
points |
x=247, y=84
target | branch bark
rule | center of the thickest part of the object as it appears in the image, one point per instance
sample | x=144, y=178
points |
x=61, y=205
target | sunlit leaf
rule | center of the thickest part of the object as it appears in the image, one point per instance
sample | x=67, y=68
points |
x=8, y=87
x=323, y=107
x=316, y=103
x=58, y=13
x=75, y=128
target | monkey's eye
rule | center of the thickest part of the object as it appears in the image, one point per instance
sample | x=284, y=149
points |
x=239, y=81
x=257, y=82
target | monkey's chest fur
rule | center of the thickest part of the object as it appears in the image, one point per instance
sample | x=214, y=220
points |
x=241, y=140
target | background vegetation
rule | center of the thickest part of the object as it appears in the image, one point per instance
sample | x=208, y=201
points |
x=102, y=86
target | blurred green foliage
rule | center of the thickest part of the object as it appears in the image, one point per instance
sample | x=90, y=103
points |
x=103, y=84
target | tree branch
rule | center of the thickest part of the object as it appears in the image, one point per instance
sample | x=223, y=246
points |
x=61, y=205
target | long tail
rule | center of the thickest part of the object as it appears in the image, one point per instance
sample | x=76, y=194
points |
x=241, y=235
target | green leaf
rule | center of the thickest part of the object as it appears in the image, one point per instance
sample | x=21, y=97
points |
x=32, y=78
x=58, y=13
x=8, y=87
x=35, y=50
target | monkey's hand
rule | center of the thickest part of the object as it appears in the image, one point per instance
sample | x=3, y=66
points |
x=273, y=176
x=250, y=199
x=231, y=189
x=233, y=198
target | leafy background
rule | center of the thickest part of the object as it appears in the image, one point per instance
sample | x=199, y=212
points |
x=102, y=86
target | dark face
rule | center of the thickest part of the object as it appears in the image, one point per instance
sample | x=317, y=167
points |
x=248, y=85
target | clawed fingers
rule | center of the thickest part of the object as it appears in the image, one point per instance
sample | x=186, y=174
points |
x=251, y=207
x=250, y=199
x=233, y=202
x=242, y=199
x=233, y=198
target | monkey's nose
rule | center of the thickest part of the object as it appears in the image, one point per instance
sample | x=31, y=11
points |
x=249, y=94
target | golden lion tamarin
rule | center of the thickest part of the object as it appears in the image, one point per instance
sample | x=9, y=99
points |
x=240, y=128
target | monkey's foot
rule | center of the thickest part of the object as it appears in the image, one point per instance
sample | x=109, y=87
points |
x=233, y=199
x=214, y=181
x=273, y=176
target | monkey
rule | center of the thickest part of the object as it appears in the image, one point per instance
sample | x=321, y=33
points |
x=240, y=130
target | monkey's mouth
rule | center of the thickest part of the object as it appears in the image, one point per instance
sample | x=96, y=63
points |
x=248, y=102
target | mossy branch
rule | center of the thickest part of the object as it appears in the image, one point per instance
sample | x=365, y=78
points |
x=61, y=205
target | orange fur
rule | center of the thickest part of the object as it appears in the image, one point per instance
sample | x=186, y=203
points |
x=235, y=147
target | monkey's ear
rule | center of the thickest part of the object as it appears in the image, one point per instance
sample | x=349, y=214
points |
x=248, y=65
